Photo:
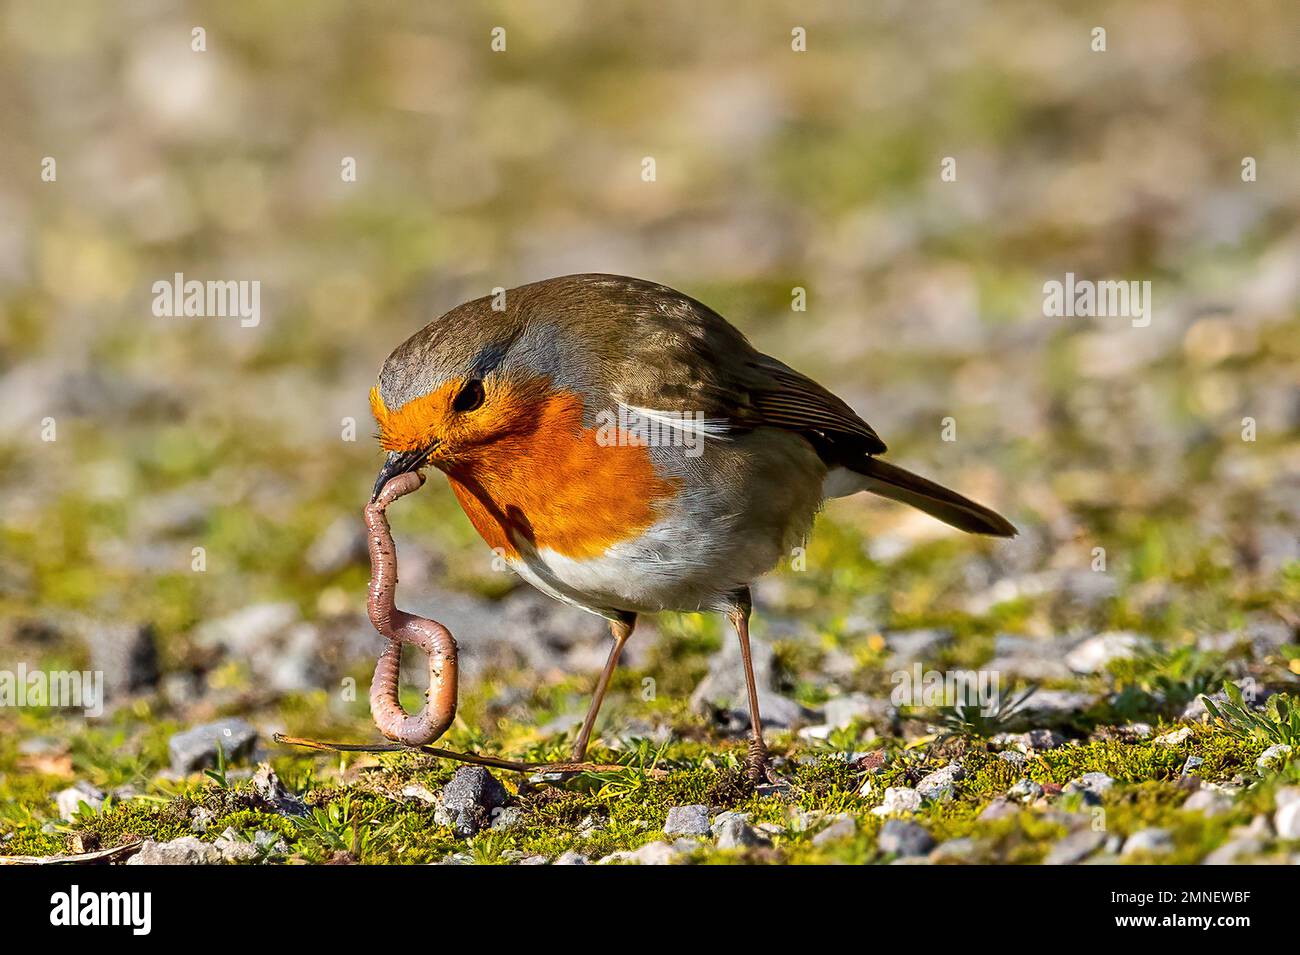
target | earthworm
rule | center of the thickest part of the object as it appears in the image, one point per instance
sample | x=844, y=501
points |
x=398, y=627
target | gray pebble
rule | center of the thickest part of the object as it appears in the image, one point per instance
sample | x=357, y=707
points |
x=187, y=850
x=1153, y=841
x=467, y=801
x=196, y=748
x=901, y=838
x=841, y=826
x=1273, y=758
x=687, y=821
x=1075, y=847
x=736, y=833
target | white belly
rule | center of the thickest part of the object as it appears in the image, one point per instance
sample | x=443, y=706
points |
x=742, y=509
x=660, y=570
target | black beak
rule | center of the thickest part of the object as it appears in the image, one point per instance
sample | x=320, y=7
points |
x=398, y=462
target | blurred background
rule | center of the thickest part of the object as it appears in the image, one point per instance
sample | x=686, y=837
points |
x=774, y=170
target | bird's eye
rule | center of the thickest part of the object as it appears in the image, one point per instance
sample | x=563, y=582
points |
x=469, y=397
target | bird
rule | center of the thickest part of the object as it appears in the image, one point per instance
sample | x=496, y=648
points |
x=626, y=450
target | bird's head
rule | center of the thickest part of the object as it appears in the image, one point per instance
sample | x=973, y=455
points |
x=454, y=389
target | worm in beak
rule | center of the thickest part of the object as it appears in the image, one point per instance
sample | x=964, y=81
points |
x=400, y=462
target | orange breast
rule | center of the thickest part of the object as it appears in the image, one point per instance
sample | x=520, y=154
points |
x=559, y=487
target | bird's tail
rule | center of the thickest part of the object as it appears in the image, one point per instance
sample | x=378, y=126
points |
x=897, y=484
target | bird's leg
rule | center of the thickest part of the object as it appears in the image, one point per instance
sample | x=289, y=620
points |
x=620, y=629
x=760, y=768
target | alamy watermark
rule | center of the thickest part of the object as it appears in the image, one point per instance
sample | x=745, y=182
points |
x=133, y=910
x=918, y=687
x=1084, y=298
x=65, y=689
x=178, y=298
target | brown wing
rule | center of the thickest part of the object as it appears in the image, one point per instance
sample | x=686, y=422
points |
x=783, y=398
x=676, y=354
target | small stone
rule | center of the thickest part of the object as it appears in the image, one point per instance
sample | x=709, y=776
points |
x=735, y=832
x=940, y=785
x=273, y=794
x=533, y=860
x=781, y=790
x=842, y=826
x=1026, y=790
x=1075, y=847
x=1195, y=710
x=1260, y=825
x=1093, y=654
x=898, y=799
x=506, y=817
x=1029, y=667
x=687, y=821
x=282, y=651
x=1054, y=706
x=187, y=850
x=69, y=800
x=908, y=646
x=234, y=849
x=1091, y=785
x=802, y=820
x=200, y=818
x=955, y=852
x=1208, y=801
x=722, y=693
x=1034, y=740
x=1132, y=732
x=420, y=792
x=1235, y=850
x=1152, y=841
x=196, y=748
x=468, y=799
x=1191, y=765
x=843, y=711
x=248, y=631
x=1013, y=757
x=270, y=843
x=726, y=816
x=572, y=858
x=127, y=655
x=1174, y=737
x=901, y=838
x=652, y=853
x=999, y=808
x=1287, y=819
x=816, y=733
x=1273, y=758
x=1044, y=739
x=42, y=746
x=340, y=545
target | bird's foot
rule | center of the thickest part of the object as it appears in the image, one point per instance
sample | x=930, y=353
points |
x=761, y=774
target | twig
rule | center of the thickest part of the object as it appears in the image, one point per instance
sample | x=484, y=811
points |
x=478, y=759
x=79, y=858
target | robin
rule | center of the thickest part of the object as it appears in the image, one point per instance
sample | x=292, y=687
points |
x=627, y=451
